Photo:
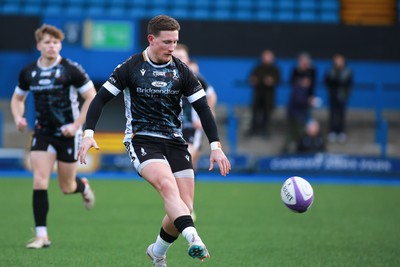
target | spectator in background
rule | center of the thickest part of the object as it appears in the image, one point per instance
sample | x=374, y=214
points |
x=338, y=81
x=312, y=140
x=263, y=78
x=300, y=102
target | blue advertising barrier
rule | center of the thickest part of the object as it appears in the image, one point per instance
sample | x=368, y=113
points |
x=330, y=163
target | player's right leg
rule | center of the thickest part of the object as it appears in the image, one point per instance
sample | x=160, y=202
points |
x=42, y=163
x=178, y=219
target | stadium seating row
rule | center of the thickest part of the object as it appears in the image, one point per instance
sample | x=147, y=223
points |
x=261, y=10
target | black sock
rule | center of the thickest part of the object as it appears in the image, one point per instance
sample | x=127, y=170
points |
x=40, y=203
x=80, y=186
x=167, y=237
x=182, y=222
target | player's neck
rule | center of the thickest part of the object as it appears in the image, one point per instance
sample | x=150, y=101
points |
x=153, y=58
x=48, y=62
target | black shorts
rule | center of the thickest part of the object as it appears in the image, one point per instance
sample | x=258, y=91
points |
x=143, y=149
x=66, y=148
x=193, y=136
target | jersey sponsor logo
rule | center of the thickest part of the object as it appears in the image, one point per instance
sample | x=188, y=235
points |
x=154, y=91
x=158, y=73
x=33, y=73
x=142, y=71
x=46, y=87
x=187, y=157
x=44, y=81
x=159, y=84
x=45, y=74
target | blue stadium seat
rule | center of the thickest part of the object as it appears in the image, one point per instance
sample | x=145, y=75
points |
x=308, y=4
x=201, y=13
x=243, y=14
x=35, y=2
x=15, y=2
x=139, y=2
x=137, y=12
x=285, y=16
x=308, y=16
x=286, y=4
x=10, y=8
x=158, y=3
x=222, y=14
x=53, y=10
x=31, y=10
x=244, y=4
x=74, y=10
x=330, y=5
x=96, y=2
x=180, y=13
x=329, y=17
x=157, y=10
x=264, y=15
x=95, y=11
x=265, y=4
x=201, y=3
x=116, y=12
x=222, y=3
x=179, y=3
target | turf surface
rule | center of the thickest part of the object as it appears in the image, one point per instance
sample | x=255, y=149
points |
x=242, y=224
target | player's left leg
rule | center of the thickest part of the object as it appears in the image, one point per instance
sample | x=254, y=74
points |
x=42, y=163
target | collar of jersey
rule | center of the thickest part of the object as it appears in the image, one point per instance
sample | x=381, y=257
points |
x=147, y=58
x=47, y=68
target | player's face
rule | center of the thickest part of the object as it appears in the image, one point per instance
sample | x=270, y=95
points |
x=49, y=47
x=162, y=46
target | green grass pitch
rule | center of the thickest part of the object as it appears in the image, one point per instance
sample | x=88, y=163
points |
x=242, y=224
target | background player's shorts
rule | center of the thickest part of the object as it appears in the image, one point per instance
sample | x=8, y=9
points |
x=193, y=136
x=143, y=149
x=66, y=148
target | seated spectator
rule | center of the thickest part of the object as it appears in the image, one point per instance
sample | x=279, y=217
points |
x=312, y=140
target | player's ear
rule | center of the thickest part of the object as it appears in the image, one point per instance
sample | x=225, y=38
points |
x=150, y=38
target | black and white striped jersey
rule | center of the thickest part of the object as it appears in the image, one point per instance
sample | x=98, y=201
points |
x=153, y=94
x=55, y=92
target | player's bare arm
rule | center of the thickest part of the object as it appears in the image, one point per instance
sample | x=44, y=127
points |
x=218, y=156
x=70, y=130
x=87, y=143
x=17, y=110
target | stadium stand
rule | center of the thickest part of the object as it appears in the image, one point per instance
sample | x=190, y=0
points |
x=318, y=11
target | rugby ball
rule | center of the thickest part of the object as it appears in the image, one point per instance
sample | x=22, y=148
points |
x=297, y=194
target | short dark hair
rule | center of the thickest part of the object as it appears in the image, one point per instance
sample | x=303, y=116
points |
x=48, y=29
x=162, y=23
x=182, y=47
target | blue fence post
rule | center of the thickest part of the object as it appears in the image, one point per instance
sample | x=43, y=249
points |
x=232, y=130
x=1, y=129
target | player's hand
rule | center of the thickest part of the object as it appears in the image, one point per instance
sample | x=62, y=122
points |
x=21, y=124
x=87, y=143
x=218, y=156
x=69, y=130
